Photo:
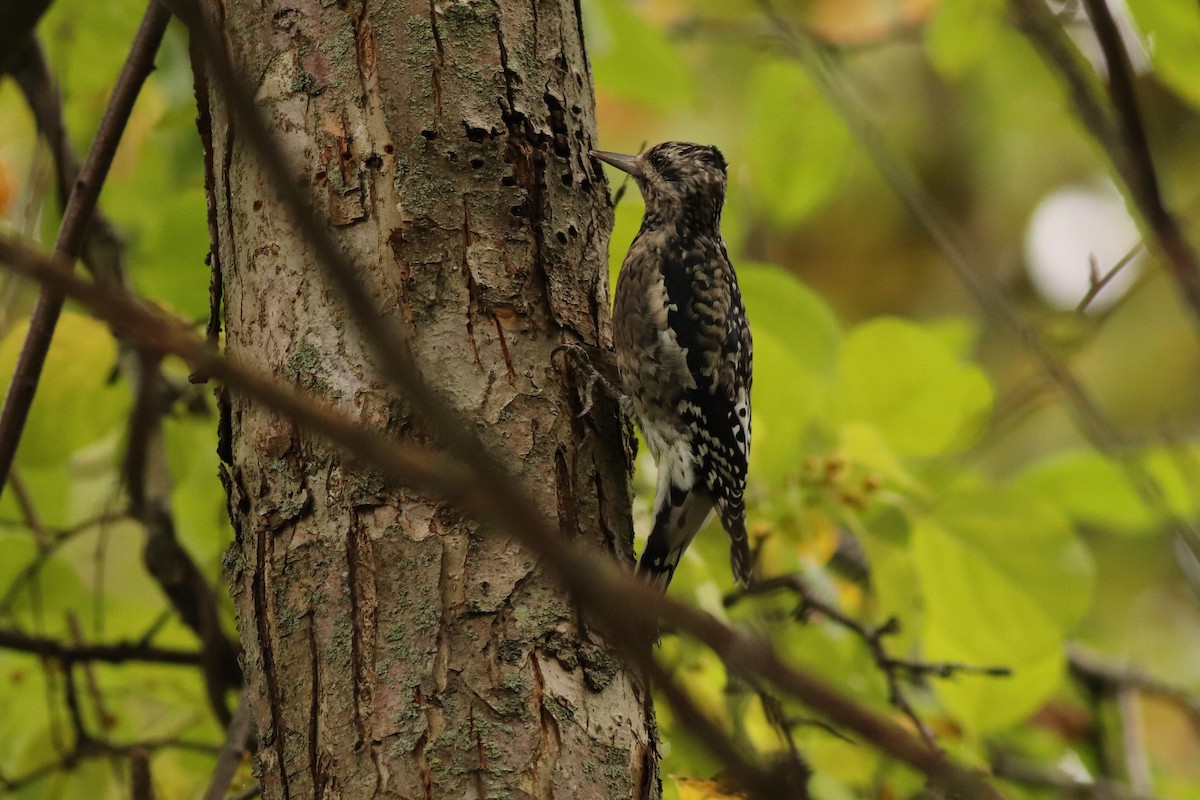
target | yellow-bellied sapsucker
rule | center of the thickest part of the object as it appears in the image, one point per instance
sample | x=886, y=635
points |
x=684, y=352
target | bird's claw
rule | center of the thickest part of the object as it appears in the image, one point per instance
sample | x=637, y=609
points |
x=583, y=361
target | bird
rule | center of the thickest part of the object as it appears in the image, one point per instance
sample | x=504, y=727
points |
x=684, y=353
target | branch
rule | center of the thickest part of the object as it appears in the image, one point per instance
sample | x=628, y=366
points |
x=1117, y=126
x=141, y=787
x=116, y=653
x=69, y=243
x=232, y=752
x=146, y=473
x=58, y=539
x=873, y=637
x=1026, y=773
x=1107, y=678
x=1097, y=282
x=93, y=748
x=619, y=600
x=981, y=283
x=103, y=250
x=765, y=781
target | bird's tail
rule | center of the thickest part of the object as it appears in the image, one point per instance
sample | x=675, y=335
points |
x=741, y=561
x=678, y=515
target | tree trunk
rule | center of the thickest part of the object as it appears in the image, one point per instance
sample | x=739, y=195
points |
x=393, y=648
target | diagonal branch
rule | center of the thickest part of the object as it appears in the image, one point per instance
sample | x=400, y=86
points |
x=236, y=737
x=117, y=653
x=103, y=250
x=893, y=668
x=71, y=234
x=981, y=284
x=618, y=600
x=1116, y=123
x=146, y=474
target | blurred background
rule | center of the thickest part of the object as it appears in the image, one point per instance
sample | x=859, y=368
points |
x=912, y=457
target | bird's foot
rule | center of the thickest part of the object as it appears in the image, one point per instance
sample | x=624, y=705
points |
x=581, y=357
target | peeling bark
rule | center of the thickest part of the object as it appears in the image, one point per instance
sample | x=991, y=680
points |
x=393, y=648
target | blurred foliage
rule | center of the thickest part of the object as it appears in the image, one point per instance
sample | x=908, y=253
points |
x=892, y=425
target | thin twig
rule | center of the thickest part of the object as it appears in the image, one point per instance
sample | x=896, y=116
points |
x=93, y=749
x=141, y=787
x=1097, y=282
x=57, y=540
x=762, y=781
x=116, y=653
x=138, y=64
x=232, y=752
x=981, y=284
x=892, y=668
x=146, y=473
x=1021, y=771
x=93, y=685
x=1116, y=122
x=615, y=598
x=103, y=251
x=33, y=520
x=1133, y=741
x=1090, y=667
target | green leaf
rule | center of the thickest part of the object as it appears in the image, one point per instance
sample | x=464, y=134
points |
x=795, y=345
x=906, y=381
x=1004, y=579
x=962, y=34
x=1091, y=488
x=796, y=146
x=1097, y=491
x=1028, y=541
x=76, y=401
x=55, y=590
x=633, y=60
x=797, y=317
x=1172, y=33
x=982, y=703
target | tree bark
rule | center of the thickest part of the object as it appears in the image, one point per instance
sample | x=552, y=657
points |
x=393, y=648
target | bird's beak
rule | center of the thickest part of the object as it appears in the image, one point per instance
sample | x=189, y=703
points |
x=630, y=164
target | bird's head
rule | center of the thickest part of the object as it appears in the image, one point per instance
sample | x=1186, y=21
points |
x=676, y=178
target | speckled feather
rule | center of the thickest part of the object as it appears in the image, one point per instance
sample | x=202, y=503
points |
x=684, y=354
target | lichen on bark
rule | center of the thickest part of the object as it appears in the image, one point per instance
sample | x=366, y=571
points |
x=393, y=648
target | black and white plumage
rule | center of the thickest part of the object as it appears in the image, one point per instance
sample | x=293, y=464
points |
x=684, y=352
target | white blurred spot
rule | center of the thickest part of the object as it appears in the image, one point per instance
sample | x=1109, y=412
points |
x=1072, y=228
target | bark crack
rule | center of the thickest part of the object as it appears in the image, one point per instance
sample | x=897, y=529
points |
x=439, y=65
x=359, y=624
x=512, y=374
x=262, y=613
x=314, y=711
x=469, y=278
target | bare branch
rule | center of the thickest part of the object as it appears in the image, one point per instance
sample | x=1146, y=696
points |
x=623, y=603
x=1097, y=282
x=78, y=213
x=1109, y=678
x=981, y=284
x=103, y=251
x=1026, y=773
x=232, y=752
x=93, y=749
x=762, y=781
x=146, y=474
x=57, y=539
x=1116, y=122
x=141, y=787
x=893, y=668
x=116, y=653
